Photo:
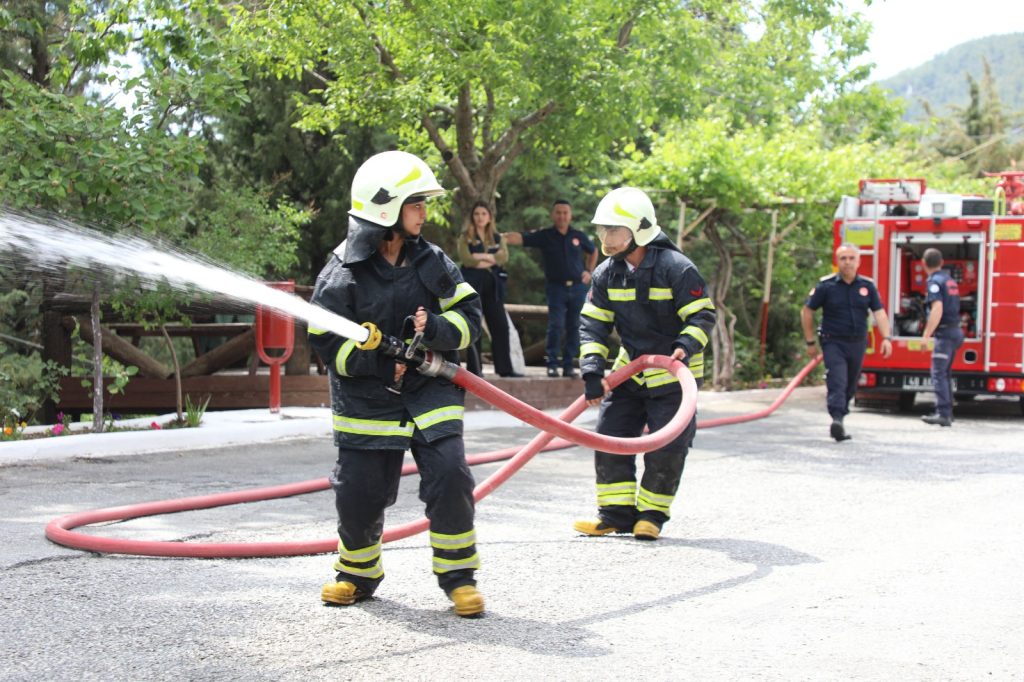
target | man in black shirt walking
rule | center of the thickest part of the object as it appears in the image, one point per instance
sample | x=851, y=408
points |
x=845, y=298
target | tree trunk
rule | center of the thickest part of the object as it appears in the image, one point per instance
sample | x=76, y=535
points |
x=723, y=344
x=97, y=363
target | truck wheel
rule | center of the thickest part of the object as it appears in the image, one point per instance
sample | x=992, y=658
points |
x=906, y=401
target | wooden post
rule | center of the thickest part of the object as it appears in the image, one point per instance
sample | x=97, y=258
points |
x=56, y=347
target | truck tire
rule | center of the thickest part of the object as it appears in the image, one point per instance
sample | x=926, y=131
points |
x=906, y=401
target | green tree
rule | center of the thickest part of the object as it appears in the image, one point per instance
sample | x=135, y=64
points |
x=65, y=150
x=484, y=83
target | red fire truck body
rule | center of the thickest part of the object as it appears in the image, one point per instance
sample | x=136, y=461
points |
x=892, y=222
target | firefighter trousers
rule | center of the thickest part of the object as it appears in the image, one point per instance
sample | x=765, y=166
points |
x=366, y=482
x=620, y=502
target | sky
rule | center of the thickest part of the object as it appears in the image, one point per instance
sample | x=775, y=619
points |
x=907, y=33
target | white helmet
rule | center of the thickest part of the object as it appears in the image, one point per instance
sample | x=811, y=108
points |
x=385, y=181
x=629, y=207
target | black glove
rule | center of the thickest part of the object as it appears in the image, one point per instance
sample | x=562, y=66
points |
x=594, y=386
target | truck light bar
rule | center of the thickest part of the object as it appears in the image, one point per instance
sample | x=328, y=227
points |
x=892, y=190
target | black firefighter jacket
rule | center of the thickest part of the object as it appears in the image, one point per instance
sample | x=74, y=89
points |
x=360, y=285
x=658, y=307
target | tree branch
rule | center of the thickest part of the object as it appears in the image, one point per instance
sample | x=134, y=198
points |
x=488, y=118
x=454, y=163
x=464, y=128
x=509, y=137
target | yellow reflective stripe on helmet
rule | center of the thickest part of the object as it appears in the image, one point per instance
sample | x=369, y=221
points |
x=358, y=556
x=341, y=359
x=622, y=294
x=460, y=541
x=695, y=306
x=372, y=572
x=372, y=427
x=661, y=294
x=617, y=208
x=697, y=333
x=648, y=501
x=441, y=414
x=315, y=331
x=462, y=290
x=618, y=494
x=356, y=204
x=446, y=565
x=593, y=348
x=413, y=175
x=460, y=323
x=599, y=314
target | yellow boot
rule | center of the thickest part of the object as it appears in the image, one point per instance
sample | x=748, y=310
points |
x=645, y=530
x=467, y=600
x=341, y=593
x=593, y=527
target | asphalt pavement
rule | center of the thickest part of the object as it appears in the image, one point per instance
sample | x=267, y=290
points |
x=895, y=555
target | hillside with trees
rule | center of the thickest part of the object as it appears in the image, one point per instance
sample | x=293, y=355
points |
x=942, y=81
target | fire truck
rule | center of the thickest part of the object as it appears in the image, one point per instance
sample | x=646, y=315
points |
x=892, y=222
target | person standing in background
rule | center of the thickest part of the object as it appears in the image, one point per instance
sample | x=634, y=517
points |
x=944, y=325
x=483, y=255
x=569, y=259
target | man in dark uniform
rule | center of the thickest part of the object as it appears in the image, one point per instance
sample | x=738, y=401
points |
x=655, y=299
x=944, y=325
x=569, y=260
x=845, y=298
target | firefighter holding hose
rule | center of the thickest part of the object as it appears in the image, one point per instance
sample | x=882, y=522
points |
x=657, y=301
x=388, y=277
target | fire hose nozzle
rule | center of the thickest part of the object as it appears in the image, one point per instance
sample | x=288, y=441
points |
x=373, y=340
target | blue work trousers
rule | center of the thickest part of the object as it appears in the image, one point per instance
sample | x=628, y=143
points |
x=564, y=305
x=947, y=341
x=843, y=359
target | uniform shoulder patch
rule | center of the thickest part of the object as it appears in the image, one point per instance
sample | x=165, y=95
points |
x=826, y=277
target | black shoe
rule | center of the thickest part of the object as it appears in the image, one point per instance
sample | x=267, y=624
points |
x=838, y=432
x=553, y=372
x=512, y=375
x=570, y=373
x=936, y=419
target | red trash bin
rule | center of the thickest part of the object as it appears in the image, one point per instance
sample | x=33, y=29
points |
x=275, y=339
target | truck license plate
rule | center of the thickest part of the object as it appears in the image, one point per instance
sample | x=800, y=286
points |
x=917, y=383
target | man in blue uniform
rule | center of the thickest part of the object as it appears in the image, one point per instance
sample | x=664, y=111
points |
x=944, y=325
x=846, y=299
x=569, y=259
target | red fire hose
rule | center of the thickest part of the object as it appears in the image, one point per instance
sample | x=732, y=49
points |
x=59, y=530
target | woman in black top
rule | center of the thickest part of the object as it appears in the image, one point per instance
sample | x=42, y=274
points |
x=482, y=255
